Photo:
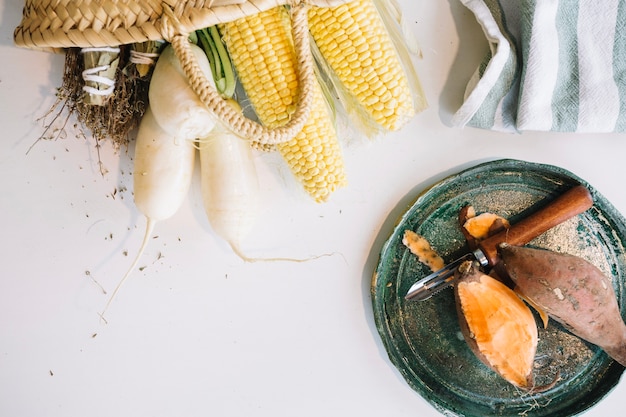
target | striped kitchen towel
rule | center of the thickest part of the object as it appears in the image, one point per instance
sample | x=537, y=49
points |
x=553, y=65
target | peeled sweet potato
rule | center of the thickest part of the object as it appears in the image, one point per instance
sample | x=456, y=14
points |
x=497, y=325
x=572, y=291
x=478, y=227
x=485, y=225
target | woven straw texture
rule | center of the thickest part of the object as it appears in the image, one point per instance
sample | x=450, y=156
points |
x=55, y=24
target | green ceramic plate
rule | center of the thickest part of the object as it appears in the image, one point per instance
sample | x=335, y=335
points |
x=423, y=339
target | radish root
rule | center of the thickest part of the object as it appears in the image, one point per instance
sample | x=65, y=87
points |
x=144, y=243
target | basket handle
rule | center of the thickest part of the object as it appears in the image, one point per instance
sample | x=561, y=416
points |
x=260, y=136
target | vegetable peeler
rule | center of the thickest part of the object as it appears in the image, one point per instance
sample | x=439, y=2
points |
x=574, y=201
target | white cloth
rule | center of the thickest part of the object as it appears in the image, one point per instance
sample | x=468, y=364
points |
x=554, y=65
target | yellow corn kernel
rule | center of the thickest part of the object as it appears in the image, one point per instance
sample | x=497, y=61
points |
x=363, y=38
x=268, y=75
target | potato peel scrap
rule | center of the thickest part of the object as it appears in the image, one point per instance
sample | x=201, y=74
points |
x=419, y=246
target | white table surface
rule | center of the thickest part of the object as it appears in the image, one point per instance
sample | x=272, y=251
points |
x=199, y=332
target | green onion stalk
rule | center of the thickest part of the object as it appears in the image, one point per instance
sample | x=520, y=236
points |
x=210, y=41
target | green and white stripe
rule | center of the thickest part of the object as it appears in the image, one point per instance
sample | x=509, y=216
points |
x=554, y=65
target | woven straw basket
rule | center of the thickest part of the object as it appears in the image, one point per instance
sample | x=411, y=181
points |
x=57, y=24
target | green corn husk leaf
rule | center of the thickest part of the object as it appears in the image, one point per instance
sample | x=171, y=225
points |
x=210, y=40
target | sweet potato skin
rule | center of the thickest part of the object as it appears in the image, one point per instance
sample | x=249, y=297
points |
x=572, y=291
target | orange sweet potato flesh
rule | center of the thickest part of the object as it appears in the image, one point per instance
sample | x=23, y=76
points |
x=497, y=325
x=485, y=225
x=572, y=291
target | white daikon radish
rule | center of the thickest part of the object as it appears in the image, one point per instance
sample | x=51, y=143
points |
x=174, y=104
x=163, y=169
x=165, y=144
x=230, y=188
x=229, y=183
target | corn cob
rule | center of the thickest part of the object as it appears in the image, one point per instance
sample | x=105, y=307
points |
x=355, y=43
x=262, y=52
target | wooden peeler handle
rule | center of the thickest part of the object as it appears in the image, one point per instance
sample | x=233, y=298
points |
x=573, y=202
